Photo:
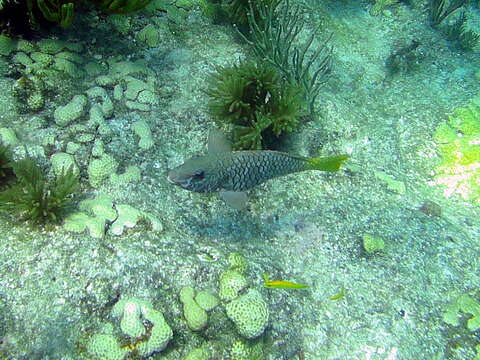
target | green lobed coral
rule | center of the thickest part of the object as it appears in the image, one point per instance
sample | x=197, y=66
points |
x=250, y=314
x=244, y=306
x=146, y=330
x=459, y=147
x=196, y=317
x=463, y=317
x=105, y=345
x=231, y=284
x=253, y=99
x=237, y=262
x=463, y=304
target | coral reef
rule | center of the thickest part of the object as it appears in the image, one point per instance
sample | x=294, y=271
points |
x=231, y=283
x=250, y=314
x=467, y=305
x=95, y=214
x=143, y=131
x=248, y=311
x=64, y=115
x=104, y=345
x=145, y=329
x=196, y=317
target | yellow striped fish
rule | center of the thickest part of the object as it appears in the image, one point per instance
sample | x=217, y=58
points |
x=281, y=284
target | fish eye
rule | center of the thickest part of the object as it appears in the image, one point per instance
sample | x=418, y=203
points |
x=199, y=175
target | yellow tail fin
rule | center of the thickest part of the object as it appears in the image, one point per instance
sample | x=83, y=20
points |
x=329, y=163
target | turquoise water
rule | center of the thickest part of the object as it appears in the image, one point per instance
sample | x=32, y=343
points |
x=93, y=285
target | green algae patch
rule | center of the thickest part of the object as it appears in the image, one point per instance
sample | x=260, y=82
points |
x=459, y=147
x=373, y=244
x=463, y=304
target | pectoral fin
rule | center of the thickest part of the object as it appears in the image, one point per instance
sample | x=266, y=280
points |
x=237, y=200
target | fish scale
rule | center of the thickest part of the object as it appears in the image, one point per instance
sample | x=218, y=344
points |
x=247, y=169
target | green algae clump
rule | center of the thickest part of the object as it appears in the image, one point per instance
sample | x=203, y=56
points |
x=372, y=244
x=55, y=11
x=6, y=172
x=463, y=304
x=459, y=147
x=33, y=197
x=120, y=6
x=252, y=98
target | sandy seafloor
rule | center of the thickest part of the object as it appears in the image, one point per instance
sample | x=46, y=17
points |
x=57, y=287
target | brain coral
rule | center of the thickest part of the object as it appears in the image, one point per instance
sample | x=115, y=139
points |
x=250, y=314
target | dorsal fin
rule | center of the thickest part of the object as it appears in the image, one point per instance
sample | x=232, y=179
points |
x=217, y=142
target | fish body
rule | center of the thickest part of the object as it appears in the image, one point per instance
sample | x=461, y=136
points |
x=235, y=171
x=231, y=173
x=281, y=284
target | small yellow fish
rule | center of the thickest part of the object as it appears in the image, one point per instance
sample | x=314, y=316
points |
x=339, y=295
x=281, y=284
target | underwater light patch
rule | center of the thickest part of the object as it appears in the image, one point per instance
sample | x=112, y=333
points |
x=459, y=147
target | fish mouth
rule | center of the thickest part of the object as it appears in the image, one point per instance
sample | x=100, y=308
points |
x=170, y=180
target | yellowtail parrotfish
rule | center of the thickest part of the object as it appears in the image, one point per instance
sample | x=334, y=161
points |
x=231, y=173
x=281, y=284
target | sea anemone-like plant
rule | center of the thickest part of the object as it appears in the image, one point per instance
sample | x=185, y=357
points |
x=33, y=197
x=25, y=16
x=14, y=18
x=238, y=10
x=53, y=11
x=440, y=9
x=273, y=32
x=255, y=101
x=120, y=6
x=6, y=172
